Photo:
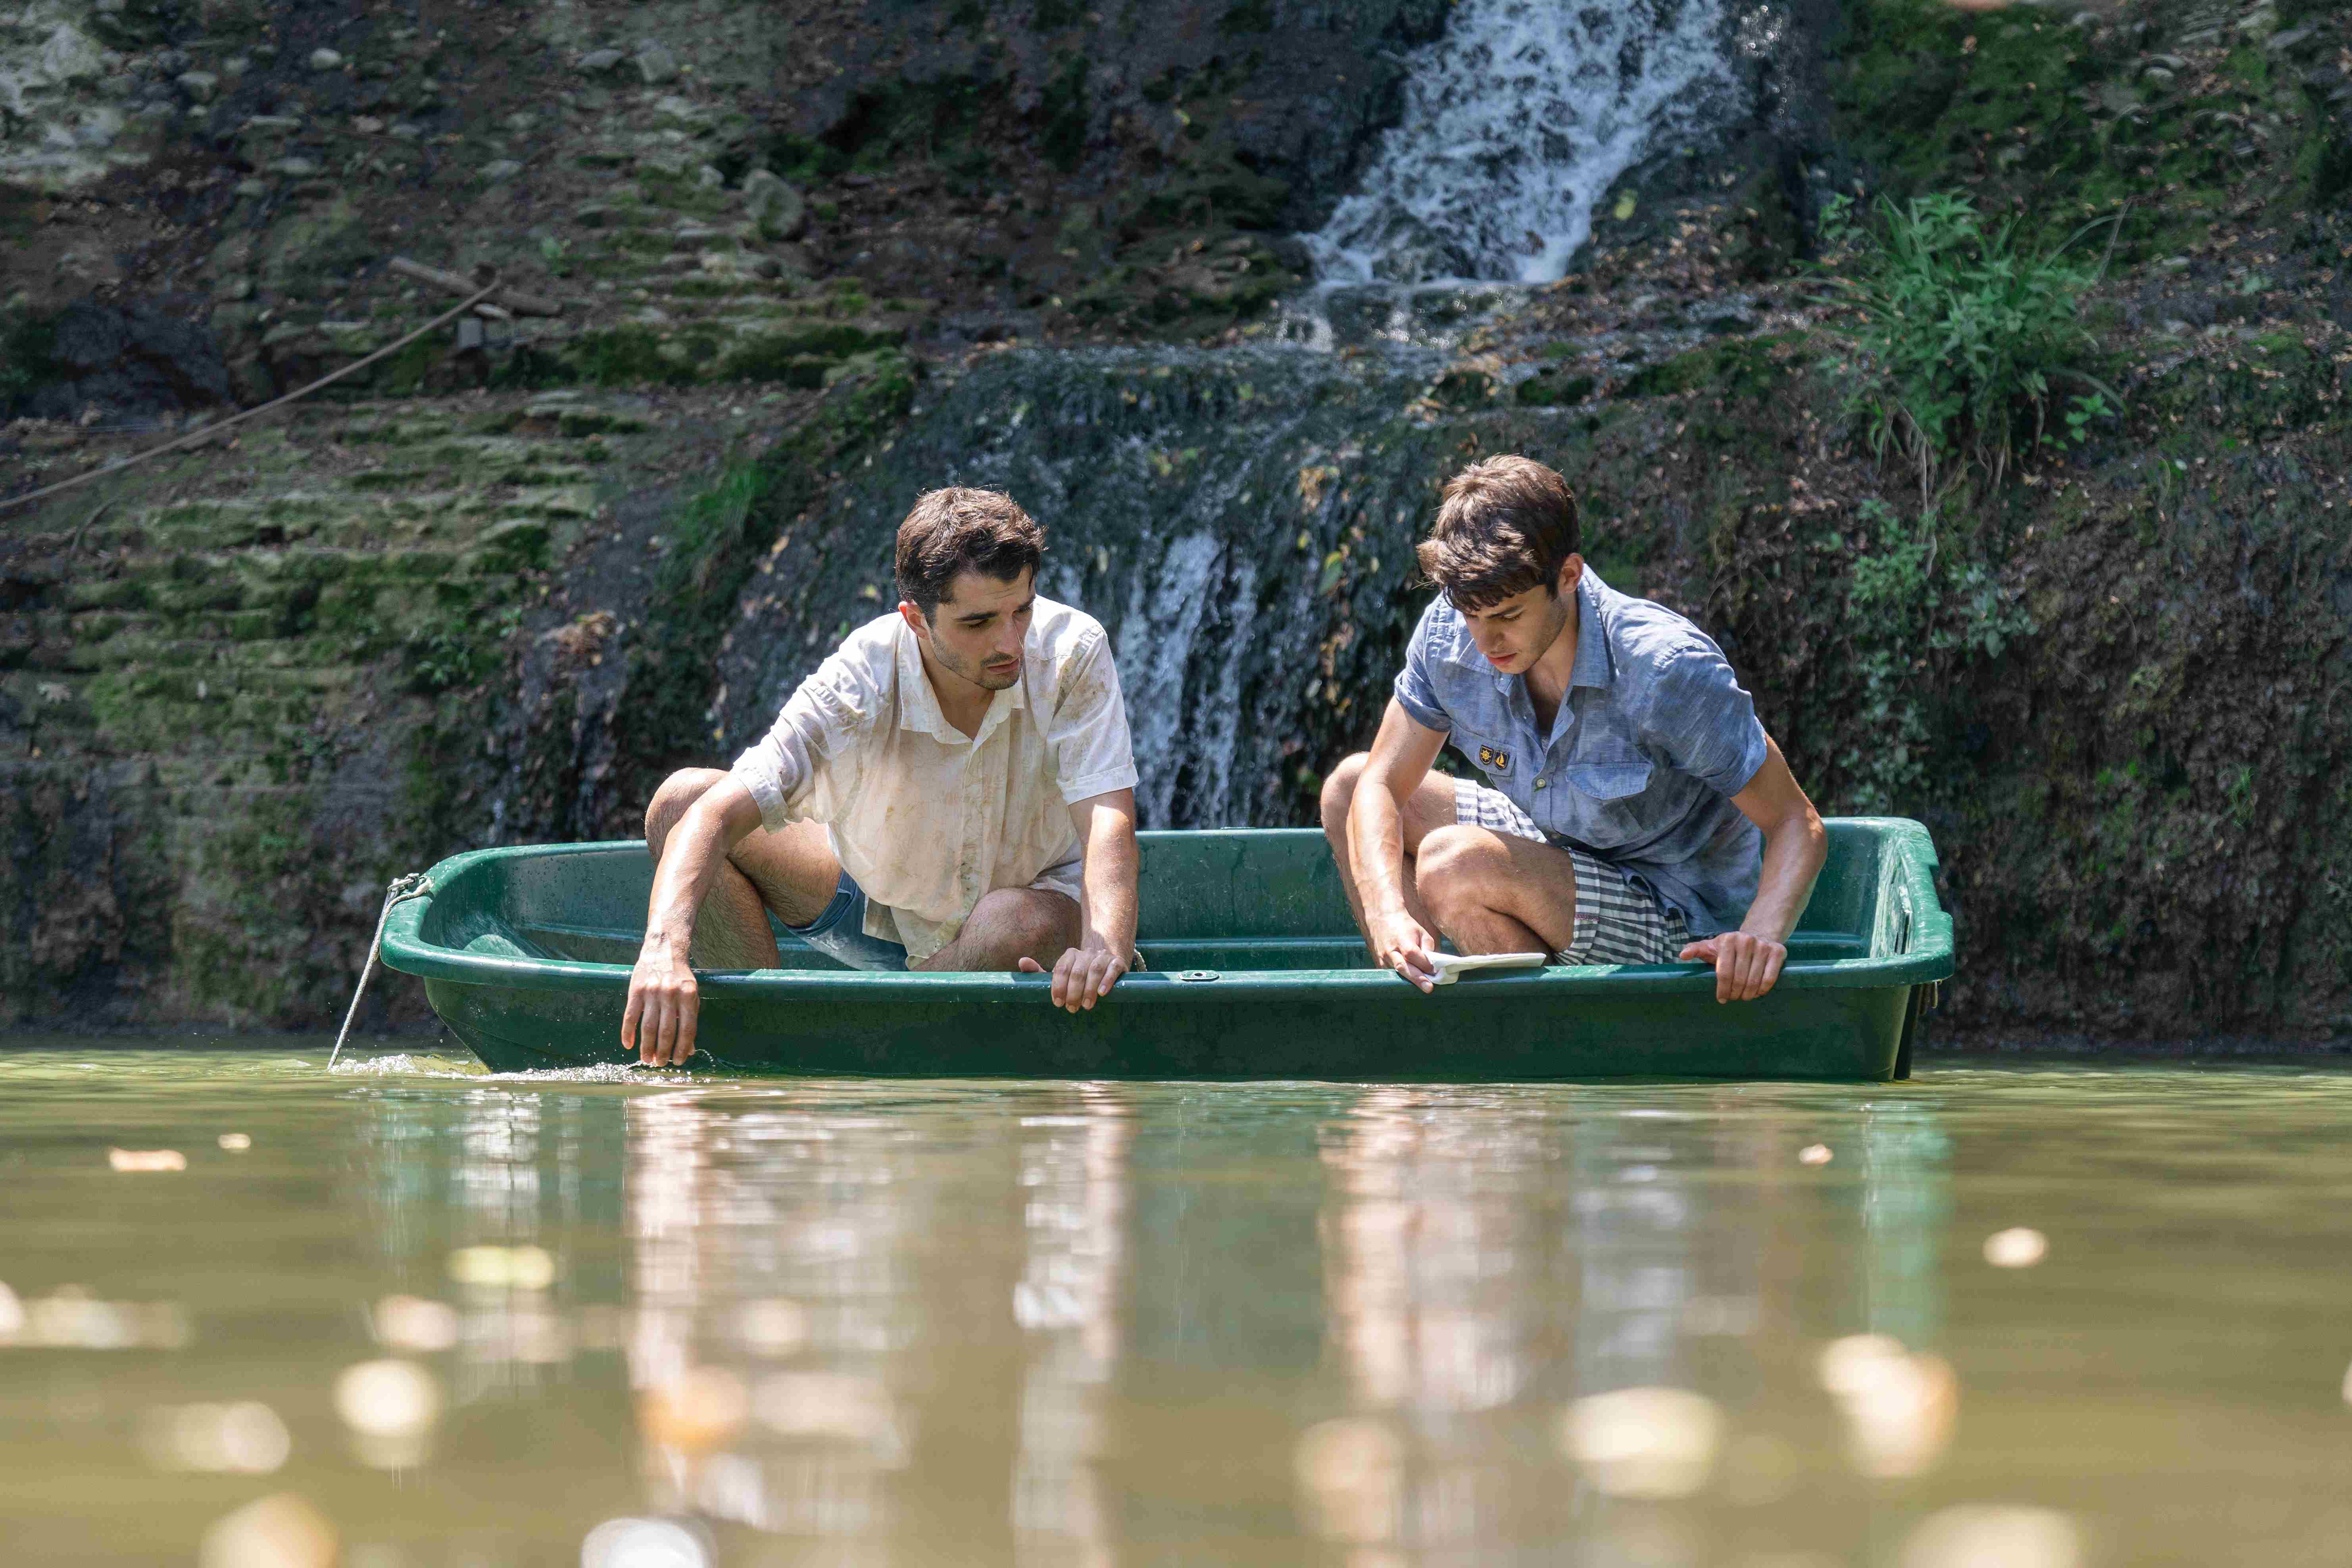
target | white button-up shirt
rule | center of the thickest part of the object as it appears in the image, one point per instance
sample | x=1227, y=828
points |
x=925, y=817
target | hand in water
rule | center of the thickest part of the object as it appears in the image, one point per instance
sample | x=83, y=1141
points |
x=664, y=1004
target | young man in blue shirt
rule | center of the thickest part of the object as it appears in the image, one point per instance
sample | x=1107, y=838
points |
x=1633, y=810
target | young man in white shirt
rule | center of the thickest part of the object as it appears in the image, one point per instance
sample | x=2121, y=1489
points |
x=953, y=789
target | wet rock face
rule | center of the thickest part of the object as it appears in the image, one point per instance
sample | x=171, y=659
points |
x=1266, y=108
x=133, y=357
x=67, y=111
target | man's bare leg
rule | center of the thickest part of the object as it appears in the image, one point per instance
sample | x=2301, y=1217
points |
x=1007, y=926
x=790, y=870
x=1430, y=807
x=1495, y=893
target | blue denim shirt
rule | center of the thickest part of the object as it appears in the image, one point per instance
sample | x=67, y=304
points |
x=1655, y=738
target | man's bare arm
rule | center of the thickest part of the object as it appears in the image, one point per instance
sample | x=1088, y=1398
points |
x=1748, y=961
x=664, y=1005
x=1084, y=973
x=1400, y=760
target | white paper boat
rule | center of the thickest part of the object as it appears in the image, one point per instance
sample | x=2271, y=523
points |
x=1452, y=966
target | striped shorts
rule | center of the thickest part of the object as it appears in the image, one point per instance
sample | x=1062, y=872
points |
x=1616, y=923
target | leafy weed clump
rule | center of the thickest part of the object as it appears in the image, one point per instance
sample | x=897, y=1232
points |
x=1966, y=341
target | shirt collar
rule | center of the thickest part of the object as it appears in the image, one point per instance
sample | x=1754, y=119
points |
x=919, y=705
x=1592, y=666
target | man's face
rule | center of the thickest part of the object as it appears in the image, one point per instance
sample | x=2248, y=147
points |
x=1519, y=630
x=979, y=629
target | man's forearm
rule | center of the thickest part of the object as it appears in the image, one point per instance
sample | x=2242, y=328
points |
x=689, y=864
x=1112, y=860
x=1376, y=845
x=1793, y=854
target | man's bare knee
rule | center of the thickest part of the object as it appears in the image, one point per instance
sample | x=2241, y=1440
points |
x=1027, y=918
x=1457, y=863
x=1339, y=793
x=674, y=800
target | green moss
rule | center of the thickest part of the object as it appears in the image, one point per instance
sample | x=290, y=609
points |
x=1063, y=115
x=714, y=541
x=2044, y=120
x=28, y=349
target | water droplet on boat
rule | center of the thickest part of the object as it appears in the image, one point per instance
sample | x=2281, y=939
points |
x=1814, y=1154
x=278, y=1532
x=237, y=1142
x=643, y=1544
x=242, y=1438
x=146, y=1159
x=1898, y=1407
x=412, y=1324
x=2019, y=1246
x=1352, y=1471
x=1651, y=1443
x=1988, y=1536
x=391, y=1407
x=700, y=1409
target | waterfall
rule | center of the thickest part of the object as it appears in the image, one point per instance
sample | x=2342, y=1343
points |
x=1241, y=519
x=1515, y=122
x=1241, y=522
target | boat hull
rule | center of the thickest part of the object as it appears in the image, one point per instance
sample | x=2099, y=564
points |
x=1474, y=1030
x=525, y=955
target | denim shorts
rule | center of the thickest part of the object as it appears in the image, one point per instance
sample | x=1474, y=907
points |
x=840, y=931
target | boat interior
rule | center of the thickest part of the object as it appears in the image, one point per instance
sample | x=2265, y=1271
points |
x=1222, y=899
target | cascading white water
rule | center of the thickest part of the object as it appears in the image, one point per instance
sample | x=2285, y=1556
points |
x=1515, y=122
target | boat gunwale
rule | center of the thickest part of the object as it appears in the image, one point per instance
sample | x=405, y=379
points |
x=1927, y=959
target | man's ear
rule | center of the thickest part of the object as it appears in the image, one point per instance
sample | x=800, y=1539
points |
x=914, y=618
x=1571, y=572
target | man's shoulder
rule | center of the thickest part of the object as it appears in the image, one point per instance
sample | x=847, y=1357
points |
x=1648, y=638
x=1059, y=633
x=1443, y=634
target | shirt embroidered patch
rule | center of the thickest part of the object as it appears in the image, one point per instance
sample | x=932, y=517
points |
x=1490, y=758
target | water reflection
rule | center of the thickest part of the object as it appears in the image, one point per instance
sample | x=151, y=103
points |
x=1090, y=1324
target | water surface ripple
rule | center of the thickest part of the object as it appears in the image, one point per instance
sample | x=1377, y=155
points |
x=410, y=1316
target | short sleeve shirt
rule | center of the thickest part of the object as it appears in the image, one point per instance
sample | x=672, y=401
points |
x=925, y=817
x=1653, y=739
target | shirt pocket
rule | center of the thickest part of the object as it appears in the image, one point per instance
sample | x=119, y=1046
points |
x=1609, y=778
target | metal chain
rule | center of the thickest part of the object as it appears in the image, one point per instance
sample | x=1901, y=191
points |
x=415, y=885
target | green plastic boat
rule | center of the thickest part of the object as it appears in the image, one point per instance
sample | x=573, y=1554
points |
x=1255, y=973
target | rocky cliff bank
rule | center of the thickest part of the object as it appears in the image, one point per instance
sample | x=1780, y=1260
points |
x=768, y=269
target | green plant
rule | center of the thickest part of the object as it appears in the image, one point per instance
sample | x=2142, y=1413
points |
x=1962, y=335
x=1919, y=617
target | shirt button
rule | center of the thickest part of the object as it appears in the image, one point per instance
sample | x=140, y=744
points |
x=1540, y=782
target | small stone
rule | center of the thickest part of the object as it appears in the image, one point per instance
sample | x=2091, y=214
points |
x=710, y=178
x=367, y=124
x=778, y=209
x=655, y=64
x=325, y=60
x=595, y=215
x=503, y=169
x=199, y=86
x=70, y=55
x=598, y=61
x=294, y=168
x=234, y=288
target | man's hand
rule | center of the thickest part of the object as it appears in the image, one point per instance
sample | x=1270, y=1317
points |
x=1745, y=966
x=1400, y=944
x=663, y=1007
x=1082, y=976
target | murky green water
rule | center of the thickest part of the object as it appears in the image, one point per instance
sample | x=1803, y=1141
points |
x=868, y=1323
